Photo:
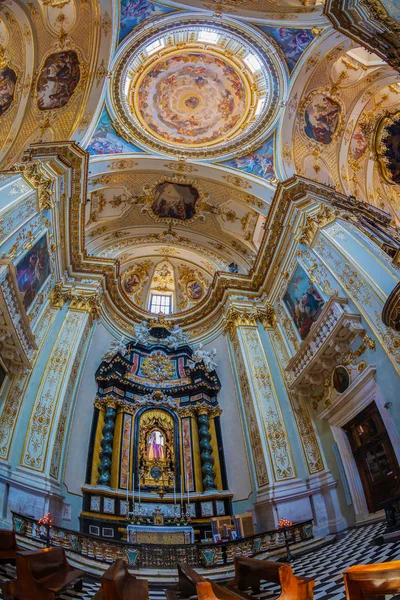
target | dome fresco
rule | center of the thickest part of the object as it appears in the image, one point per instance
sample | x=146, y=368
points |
x=192, y=98
x=208, y=89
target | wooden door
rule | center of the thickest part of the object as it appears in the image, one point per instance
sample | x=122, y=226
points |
x=374, y=455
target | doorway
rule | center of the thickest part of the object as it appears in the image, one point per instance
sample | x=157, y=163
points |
x=374, y=456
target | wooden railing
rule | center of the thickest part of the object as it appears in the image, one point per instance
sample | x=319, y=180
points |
x=152, y=556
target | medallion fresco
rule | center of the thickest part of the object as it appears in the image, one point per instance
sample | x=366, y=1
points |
x=33, y=270
x=105, y=139
x=260, y=162
x=303, y=301
x=192, y=98
x=359, y=143
x=8, y=80
x=292, y=41
x=58, y=79
x=321, y=115
x=174, y=201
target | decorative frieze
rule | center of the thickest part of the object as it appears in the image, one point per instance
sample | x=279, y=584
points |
x=17, y=342
x=330, y=335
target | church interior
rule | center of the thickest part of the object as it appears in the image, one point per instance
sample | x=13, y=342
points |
x=199, y=299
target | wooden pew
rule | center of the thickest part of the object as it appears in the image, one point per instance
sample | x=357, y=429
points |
x=43, y=574
x=188, y=578
x=249, y=572
x=8, y=547
x=370, y=582
x=118, y=584
x=208, y=590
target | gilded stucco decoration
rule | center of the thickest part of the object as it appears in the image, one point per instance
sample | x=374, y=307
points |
x=134, y=280
x=387, y=139
x=158, y=366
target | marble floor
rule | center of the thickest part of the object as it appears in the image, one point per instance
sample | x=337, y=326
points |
x=326, y=565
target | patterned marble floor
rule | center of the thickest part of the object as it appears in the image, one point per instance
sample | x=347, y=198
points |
x=326, y=565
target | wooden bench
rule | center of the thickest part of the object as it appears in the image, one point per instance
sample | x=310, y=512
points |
x=367, y=582
x=188, y=578
x=8, y=547
x=249, y=572
x=118, y=584
x=190, y=583
x=43, y=574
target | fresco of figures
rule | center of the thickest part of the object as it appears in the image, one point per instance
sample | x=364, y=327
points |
x=8, y=79
x=260, y=163
x=33, y=270
x=292, y=41
x=174, y=201
x=58, y=79
x=390, y=150
x=192, y=96
x=321, y=115
x=194, y=290
x=134, y=12
x=303, y=301
x=105, y=139
x=359, y=143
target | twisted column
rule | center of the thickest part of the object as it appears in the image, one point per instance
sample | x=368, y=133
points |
x=207, y=460
x=107, y=447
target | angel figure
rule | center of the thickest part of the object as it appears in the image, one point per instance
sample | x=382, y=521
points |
x=115, y=347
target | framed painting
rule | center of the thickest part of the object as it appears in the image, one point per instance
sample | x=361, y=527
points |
x=58, y=79
x=174, y=201
x=303, y=301
x=33, y=270
x=322, y=116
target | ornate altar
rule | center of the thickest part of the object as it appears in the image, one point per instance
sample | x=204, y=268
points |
x=156, y=444
x=147, y=534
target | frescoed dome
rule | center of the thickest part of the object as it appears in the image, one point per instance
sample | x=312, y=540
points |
x=210, y=89
x=192, y=98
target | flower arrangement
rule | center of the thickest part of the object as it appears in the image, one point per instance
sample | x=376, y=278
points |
x=47, y=521
x=284, y=523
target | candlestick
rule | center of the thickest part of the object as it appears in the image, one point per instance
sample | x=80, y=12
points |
x=174, y=492
x=139, y=489
x=187, y=487
x=127, y=483
x=181, y=490
x=133, y=490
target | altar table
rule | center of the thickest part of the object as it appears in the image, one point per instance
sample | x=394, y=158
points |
x=155, y=534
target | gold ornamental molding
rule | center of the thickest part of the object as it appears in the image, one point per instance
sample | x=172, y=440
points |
x=17, y=342
x=39, y=180
x=391, y=309
x=78, y=301
x=242, y=317
x=294, y=196
x=313, y=223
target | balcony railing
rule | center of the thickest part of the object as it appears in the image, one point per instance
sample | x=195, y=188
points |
x=152, y=556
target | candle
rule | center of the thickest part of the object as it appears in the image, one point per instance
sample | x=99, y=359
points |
x=127, y=482
x=139, y=489
x=187, y=487
x=174, y=492
x=133, y=489
x=181, y=490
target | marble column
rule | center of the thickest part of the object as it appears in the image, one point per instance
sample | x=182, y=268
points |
x=107, y=446
x=207, y=461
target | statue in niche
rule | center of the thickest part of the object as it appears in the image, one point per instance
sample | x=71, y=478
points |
x=176, y=337
x=155, y=446
x=115, y=347
x=205, y=356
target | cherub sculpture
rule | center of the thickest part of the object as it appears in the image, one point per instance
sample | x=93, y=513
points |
x=205, y=356
x=115, y=347
x=176, y=338
x=142, y=333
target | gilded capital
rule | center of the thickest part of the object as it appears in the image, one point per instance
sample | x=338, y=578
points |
x=313, y=223
x=78, y=301
x=239, y=317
